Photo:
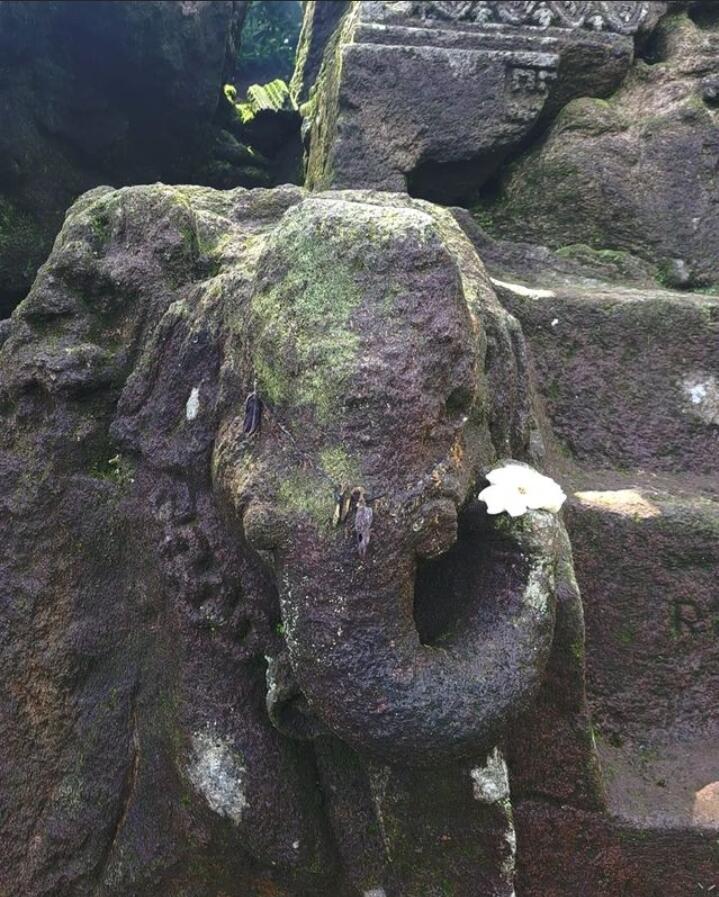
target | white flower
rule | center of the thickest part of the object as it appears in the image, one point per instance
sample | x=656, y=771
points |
x=516, y=488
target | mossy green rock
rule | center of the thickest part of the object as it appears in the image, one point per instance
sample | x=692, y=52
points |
x=169, y=579
x=140, y=619
x=636, y=172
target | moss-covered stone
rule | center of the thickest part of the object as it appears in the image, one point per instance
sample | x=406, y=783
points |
x=631, y=173
x=306, y=348
x=148, y=627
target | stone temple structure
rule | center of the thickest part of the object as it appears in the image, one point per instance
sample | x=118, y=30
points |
x=435, y=95
x=208, y=691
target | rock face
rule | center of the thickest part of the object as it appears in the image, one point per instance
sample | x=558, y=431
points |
x=623, y=372
x=318, y=26
x=432, y=96
x=634, y=173
x=638, y=397
x=99, y=93
x=258, y=636
x=208, y=689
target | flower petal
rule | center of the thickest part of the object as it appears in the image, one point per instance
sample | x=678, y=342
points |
x=548, y=496
x=517, y=487
x=494, y=497
x=556, y=501
x=509, y=475
x=515, y=504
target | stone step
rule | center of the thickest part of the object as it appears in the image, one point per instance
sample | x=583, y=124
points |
x=629, y=377
x=568, y=852
x=646, y=550
x=646, y=553
x=668, y=779
x=464, y=36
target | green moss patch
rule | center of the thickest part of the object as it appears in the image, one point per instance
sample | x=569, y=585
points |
x=308, y=494
x=307, y=348
x=340, y=466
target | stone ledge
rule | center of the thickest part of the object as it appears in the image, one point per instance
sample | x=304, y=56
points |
x=468, y=34
x=667, y=779
x=568, y=852
x=647, y=571
x=628, y=376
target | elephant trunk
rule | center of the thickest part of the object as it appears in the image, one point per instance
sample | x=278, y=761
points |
x=358, y=657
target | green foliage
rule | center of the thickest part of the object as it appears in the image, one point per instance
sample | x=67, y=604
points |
x=271, y=97
x=269, y=39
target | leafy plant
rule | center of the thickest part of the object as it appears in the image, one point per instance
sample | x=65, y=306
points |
x=269, y=39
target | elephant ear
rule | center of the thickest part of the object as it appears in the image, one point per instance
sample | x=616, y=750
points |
x=287, y=706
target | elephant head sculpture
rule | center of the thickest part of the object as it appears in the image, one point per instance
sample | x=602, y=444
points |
x=185, y=591
x=365, y=337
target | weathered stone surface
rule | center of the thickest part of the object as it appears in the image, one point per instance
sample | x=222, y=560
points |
x=103, y=92
x=608, y=365
x=652, y=653
x=551, y=748
x=647, y=564
x=612, y=361
x=167, y=579
x=568, y=852
x=319, y=24
x=133, y=719
x=544, y=268
x=635, y=172
x=628, y=377
x=652, y=656
x=432, y=96
x=209, y=691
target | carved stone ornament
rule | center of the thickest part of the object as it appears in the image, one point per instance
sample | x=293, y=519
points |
x=598, y=15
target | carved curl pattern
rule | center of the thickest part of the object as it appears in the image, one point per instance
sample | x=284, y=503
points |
x=599, y=15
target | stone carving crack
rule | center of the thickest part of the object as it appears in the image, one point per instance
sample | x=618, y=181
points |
x=127, y=793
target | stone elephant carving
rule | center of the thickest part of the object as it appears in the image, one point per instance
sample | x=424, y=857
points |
x=208, y=690
x=363, y=340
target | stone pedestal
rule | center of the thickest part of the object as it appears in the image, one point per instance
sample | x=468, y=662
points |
x=432, y=96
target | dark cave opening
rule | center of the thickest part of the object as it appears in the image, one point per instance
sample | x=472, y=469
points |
x=448, y=183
